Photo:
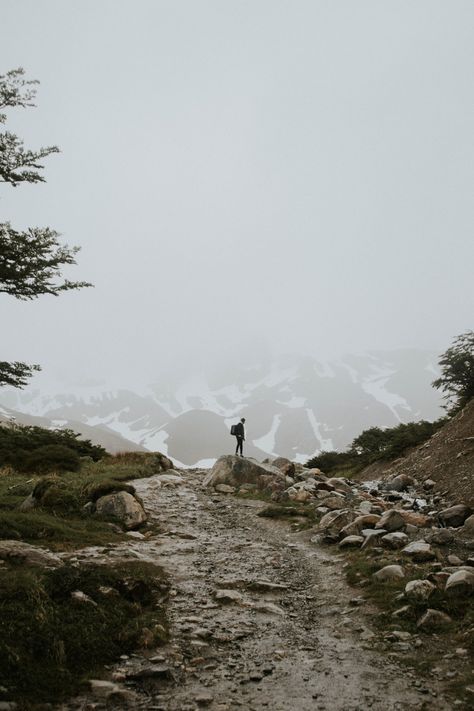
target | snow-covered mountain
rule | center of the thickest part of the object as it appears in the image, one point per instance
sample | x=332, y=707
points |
x=294, y=405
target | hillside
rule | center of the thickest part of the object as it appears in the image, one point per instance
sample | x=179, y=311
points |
x=111, y=441
x=447, y=458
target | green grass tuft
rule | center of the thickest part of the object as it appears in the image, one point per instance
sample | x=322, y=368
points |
x=49, y=642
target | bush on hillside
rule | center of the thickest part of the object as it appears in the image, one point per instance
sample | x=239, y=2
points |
x=376, y=444
x=39, y=450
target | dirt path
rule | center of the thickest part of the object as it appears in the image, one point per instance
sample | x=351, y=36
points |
x=302, y=644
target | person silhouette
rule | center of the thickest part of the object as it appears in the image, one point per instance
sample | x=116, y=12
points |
x=240, y=436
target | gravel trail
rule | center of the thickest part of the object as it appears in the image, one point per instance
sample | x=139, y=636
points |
x=260, y=617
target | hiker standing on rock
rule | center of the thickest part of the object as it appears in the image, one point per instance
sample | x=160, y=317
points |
x=239, y=432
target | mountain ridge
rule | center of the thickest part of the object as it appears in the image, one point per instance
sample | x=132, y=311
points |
x=294, y=405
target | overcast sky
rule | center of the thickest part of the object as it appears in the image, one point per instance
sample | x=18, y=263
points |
x=296, y=175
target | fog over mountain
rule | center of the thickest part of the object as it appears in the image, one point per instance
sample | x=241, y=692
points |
x=245, y=180
x=294, y=406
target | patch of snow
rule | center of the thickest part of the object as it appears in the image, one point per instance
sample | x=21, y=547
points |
x=267, y=442
x=294, y=402
x=326, y=444
x=156, y=442
x=375, y=386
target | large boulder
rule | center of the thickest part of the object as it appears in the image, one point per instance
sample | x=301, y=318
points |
x=460, y=583
x=25, y=554
x=455, y=515
x=236, y=471
x=122, y=506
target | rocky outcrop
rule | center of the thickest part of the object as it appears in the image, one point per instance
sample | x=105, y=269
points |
x=238, y=471
x=123, y=507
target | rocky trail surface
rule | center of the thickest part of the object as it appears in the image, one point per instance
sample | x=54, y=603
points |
x=260, y=617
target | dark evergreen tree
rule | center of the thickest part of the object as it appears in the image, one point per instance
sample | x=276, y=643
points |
x=30, y=260
x=457, y=372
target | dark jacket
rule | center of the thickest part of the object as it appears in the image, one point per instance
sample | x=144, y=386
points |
x=239, y=429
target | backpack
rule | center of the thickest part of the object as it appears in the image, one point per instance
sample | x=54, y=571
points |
x=233, y=430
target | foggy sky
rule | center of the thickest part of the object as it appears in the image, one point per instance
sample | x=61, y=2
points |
x=244, y=175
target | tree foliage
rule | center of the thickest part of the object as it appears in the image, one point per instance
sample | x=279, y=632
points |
x=31, y=261
x=457, y=372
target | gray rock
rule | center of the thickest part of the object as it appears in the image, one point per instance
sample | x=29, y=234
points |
x=395, y=540
x=433, y=620
x=236, y=471
x=460, y=583
x=389, y=572
x=391, y=521
x=360, y=523
x=336, y=519
x=29, y=503
x=333, y=502
x=225, y=489
x=468, y=527
x=454, y=559
x=419, y=551
x=455, y=516
x=122, y=506
x=226, y=597
x=285, y=466
x=340, y=484
x=428, y=484
x=372, y=536
x=351, y=542
x=18, y=552
x=419, y=590
x=399, y=483
x=441, y=537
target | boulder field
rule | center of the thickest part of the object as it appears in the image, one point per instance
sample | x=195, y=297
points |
x=400, y=518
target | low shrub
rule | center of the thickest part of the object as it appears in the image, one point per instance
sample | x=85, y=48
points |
x=49, y=641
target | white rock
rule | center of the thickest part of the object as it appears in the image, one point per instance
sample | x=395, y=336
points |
x=389, y=572
x=419, y=590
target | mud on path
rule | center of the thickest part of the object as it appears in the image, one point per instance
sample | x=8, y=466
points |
x=260, y=617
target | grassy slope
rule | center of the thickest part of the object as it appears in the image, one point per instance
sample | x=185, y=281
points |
x=49, y=643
